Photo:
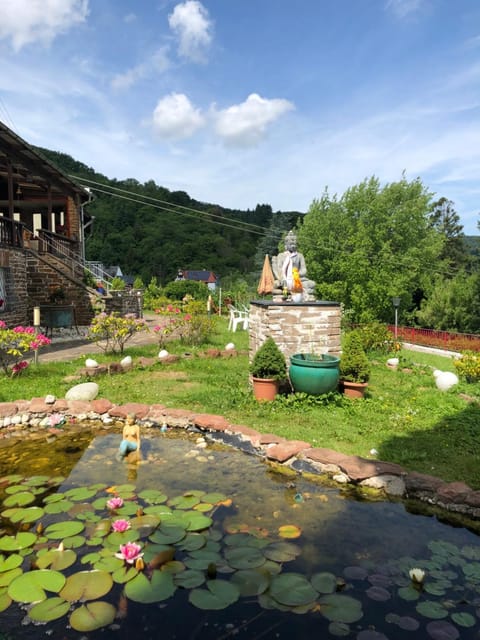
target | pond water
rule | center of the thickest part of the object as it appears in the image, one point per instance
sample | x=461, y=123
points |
x=232, y=548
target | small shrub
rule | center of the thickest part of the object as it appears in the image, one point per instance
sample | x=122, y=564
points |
x=15, y=344
x=354, y=363
x=111, y=331
x=269, y=362
x=117, y=284
x=377, y=337
x=178, y=289
x=468, y=366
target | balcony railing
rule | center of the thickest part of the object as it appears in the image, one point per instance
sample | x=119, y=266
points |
x=11, y=232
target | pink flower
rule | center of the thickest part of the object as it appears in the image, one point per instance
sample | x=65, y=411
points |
x=19, y=366
x=3, y=325
x=56, y=419
x=120, y=526
x=129, y=552
x=115, y=503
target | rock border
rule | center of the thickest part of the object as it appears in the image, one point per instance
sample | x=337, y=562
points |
x=35, y=415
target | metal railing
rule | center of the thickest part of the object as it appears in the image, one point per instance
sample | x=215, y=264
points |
x=447, y=340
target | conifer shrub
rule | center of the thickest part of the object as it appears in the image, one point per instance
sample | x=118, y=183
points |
x=354, y=363
x=269, y=362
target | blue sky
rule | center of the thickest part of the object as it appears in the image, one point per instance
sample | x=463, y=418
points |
x=240, y=102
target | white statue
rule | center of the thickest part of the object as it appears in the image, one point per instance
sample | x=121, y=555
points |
x=284, y=264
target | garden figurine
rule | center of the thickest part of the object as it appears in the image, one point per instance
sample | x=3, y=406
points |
x=130, y=437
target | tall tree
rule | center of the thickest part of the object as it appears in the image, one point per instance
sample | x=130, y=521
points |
x=447, y=221
x=370, y=245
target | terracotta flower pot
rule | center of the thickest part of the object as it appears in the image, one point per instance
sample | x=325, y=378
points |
x=265, y=388
x=353, y=389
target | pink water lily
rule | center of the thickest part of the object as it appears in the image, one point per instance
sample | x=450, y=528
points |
x=130, y=552
x=121, y=525
x=115, y=503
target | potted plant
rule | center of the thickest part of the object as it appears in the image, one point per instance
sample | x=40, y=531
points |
x=354, y=366
x=268, y=369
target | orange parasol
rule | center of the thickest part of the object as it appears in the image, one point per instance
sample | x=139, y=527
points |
x=266, y=279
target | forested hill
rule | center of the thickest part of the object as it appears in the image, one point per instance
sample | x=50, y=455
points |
x=151, y=231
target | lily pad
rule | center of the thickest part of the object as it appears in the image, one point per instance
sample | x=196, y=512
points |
x=431, y=609
x=159, y=587
x=337, y=607
x=282, y=551
x=244, y=557
x=80, y=494
x=22, y=540
x=5, y=600
x=442, y=630
x=251, y=582
x=463, y=619
x=219, y=594
x=152, y=496
x=292, y=589
x=184, y=502
x=25, y=516
x=56, y=559
x=49, y=609
x=93, y=615
x=10, y=562
x=19, y=499
x=198, y=521
x=58, y=506
x=65, y=529
x=6, y=577
x=189, y=579
x=31, y=586
x=86, y=585
x=324, y=582
x=289, y=531
x=167, y=534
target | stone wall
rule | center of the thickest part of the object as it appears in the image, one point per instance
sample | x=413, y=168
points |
x=14, y=266
x=124, y=302
x=304, y=327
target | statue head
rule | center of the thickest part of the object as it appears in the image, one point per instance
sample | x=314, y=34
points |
x=291, y=241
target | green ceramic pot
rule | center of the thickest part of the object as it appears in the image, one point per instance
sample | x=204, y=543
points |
x=314, y=374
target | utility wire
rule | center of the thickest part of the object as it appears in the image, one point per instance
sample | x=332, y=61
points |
x=168, y=207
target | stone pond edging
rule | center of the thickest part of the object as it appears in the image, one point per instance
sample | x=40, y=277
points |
x=32, y=417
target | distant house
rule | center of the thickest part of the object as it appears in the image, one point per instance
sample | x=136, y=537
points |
x=210, y=278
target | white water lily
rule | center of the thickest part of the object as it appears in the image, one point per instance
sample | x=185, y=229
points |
x=417, y=575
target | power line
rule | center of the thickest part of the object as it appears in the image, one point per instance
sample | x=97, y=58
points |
x=166, y=206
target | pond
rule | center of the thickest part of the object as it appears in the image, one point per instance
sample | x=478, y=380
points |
x=230, y=548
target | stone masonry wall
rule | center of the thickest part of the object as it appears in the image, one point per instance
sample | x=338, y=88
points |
x=14, y=265
x=304, y=327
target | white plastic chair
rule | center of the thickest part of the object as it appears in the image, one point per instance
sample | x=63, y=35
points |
x=237, y=317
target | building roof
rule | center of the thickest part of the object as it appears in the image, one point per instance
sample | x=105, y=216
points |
x=201, y=276
x=30, y=166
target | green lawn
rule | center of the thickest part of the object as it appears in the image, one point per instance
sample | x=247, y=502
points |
x=404, y=417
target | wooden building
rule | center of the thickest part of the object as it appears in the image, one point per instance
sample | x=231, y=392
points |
x=42, y=223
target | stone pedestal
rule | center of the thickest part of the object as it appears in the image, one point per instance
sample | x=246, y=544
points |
x=303, y=327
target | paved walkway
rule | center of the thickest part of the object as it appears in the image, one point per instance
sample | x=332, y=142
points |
x=70, y=345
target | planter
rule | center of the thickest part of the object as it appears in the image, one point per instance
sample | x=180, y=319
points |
x=265, y=388
x=314, y=374
x=353, y=389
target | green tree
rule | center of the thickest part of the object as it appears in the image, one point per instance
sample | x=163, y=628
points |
x=447, y=221
x=371, y=244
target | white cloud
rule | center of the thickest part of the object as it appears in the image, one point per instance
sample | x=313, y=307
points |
x=403, y=8
x=175, y=117
x=131, y=17
x=29, y=21
x=245, y=124
x=191, y=23
x=157, y=63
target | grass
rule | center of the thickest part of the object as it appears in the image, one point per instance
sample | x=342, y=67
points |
x=404, y=416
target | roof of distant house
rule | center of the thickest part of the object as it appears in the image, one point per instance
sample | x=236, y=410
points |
x=201, y=275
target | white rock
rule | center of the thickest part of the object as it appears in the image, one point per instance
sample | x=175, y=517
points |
x=16, y=419
x=163, y=353
x=229, y=347
x=50, y=399
x=107, y=420
x=7, y=421
x=90, y=363
x=126, y=362
x=25, y=418
x=85, y=391
x=446, y=380
x=437, y=373
x=393, y=362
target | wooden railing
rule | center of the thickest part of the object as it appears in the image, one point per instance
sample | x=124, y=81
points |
x=11, y=232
